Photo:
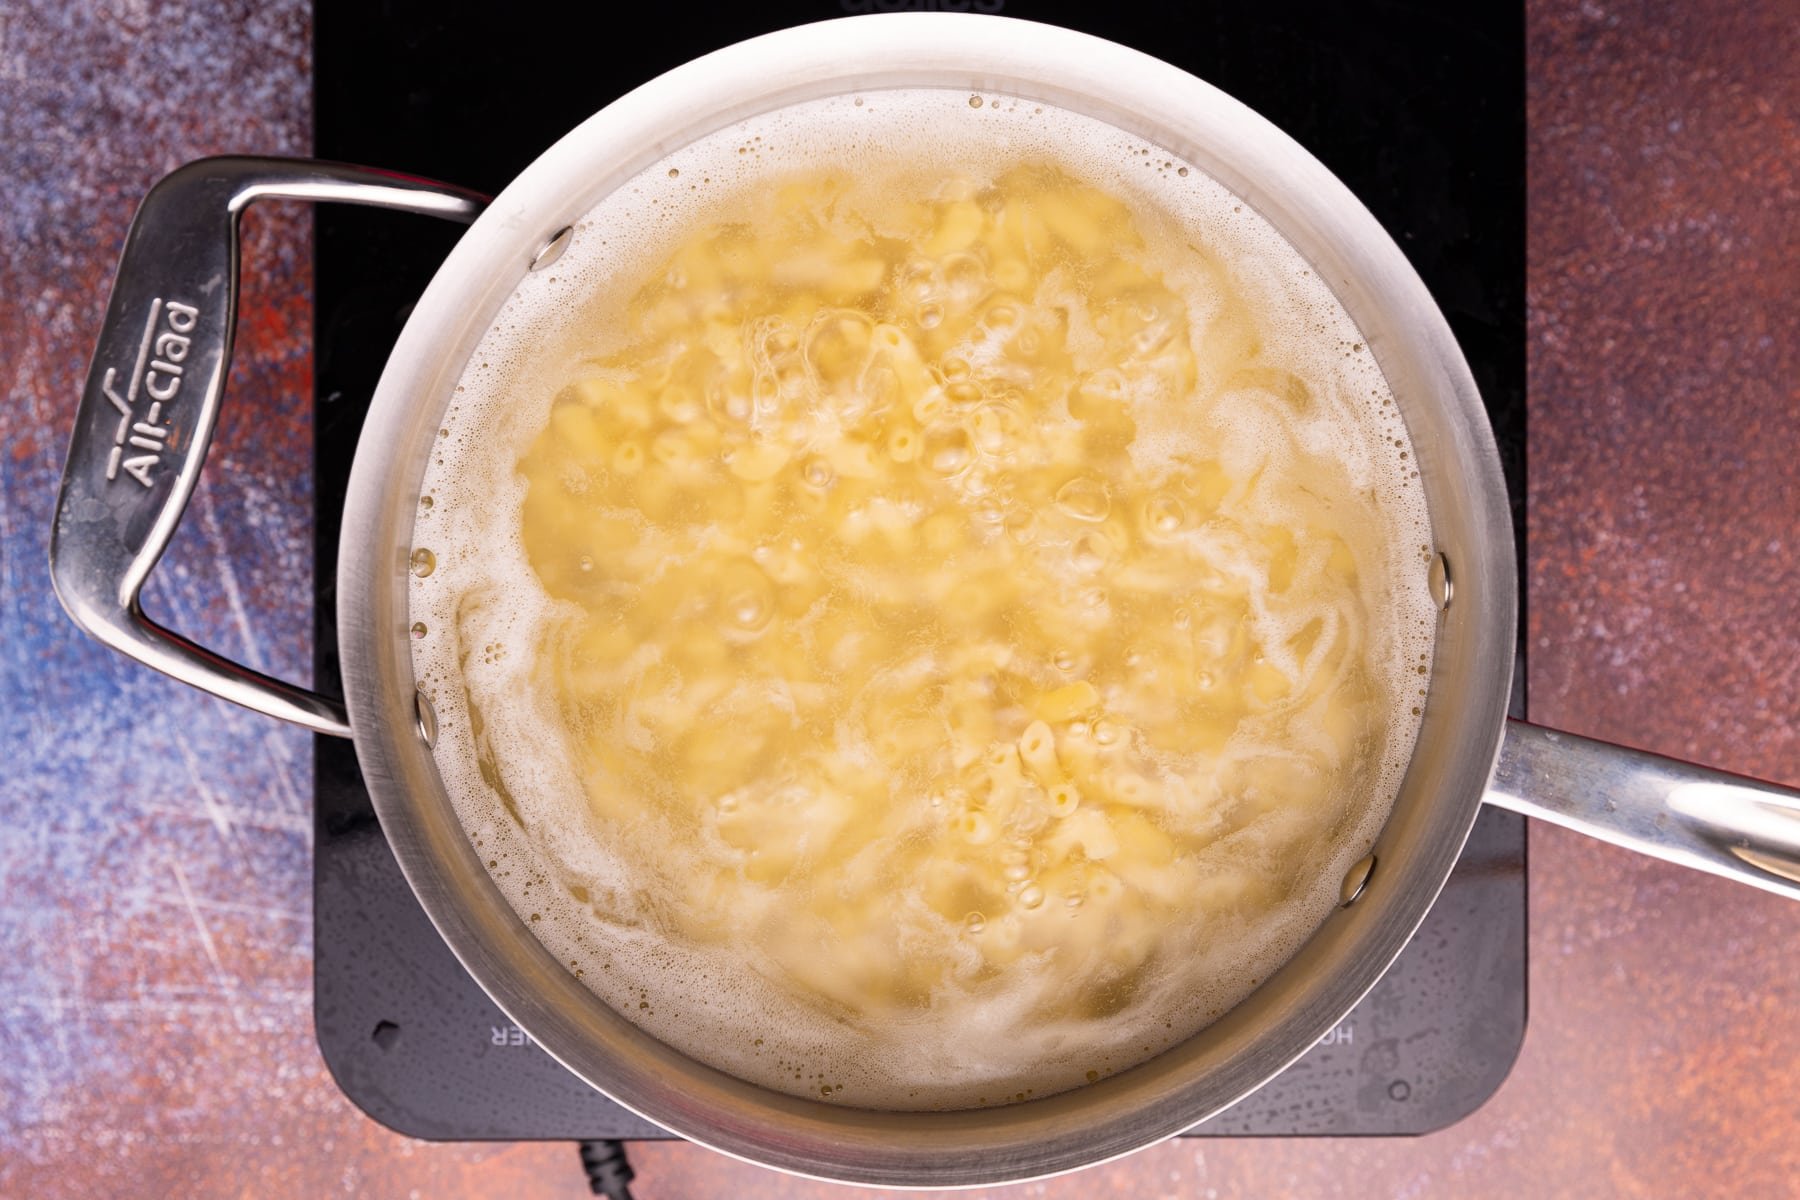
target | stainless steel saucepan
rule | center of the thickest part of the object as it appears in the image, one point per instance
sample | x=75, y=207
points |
x=154, y=390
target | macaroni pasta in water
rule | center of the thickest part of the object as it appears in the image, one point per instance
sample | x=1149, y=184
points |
x=923, y=622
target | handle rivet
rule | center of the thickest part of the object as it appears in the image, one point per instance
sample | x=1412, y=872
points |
x=553, y=249
x=427, y=719
x=1442, y=587
x=1356, y=880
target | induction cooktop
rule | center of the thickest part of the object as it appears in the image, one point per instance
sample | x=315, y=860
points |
x=1419, y=107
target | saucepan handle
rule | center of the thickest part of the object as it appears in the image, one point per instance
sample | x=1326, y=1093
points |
x=1724, y=824
x=152, y=395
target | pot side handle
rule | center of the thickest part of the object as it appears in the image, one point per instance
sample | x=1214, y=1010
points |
x=1728, y=825
x=152, y=396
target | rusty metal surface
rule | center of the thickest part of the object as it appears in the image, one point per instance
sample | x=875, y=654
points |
x=155, y=1029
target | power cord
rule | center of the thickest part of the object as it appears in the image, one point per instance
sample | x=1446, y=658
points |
x=608, y=1172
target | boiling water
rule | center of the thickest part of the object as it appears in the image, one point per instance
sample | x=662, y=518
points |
x=924, y=600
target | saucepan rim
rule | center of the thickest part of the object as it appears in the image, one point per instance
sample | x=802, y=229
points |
x=1465, y=711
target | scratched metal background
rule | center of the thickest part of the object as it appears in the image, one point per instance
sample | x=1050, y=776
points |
x=155, y=1031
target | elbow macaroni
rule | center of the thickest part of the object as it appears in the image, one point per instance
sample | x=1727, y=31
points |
x=873, y=597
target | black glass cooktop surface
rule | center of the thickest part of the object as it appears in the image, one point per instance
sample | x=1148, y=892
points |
x=1417, y=106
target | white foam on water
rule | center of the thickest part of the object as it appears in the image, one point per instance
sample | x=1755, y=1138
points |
x=506, y=756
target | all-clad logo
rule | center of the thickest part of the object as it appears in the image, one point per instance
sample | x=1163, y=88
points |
x=879, y=6
x=141, y=438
